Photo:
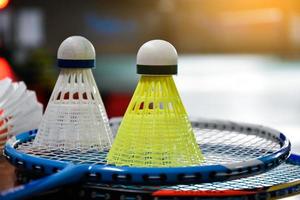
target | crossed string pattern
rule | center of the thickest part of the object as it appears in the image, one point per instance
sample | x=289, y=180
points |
x=218, y=146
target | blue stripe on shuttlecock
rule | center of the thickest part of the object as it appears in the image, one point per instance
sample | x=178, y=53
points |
x=63, y=63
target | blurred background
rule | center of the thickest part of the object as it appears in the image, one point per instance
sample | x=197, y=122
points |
x=238, y=60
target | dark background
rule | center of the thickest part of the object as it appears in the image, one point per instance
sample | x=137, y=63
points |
x=238, y=59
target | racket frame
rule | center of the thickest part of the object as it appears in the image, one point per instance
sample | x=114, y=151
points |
x=162, y=175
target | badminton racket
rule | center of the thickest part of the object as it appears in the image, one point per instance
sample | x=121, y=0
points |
x=232, y=150
x=280, y=182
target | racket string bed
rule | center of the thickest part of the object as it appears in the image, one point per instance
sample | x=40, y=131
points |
x=216, y=151
x=75, y=156
x=278, y=175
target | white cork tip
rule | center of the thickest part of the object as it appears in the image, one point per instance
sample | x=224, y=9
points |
x=76, y=48
x=157, y=53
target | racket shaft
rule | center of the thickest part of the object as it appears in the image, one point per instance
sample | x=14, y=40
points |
x=71, y=174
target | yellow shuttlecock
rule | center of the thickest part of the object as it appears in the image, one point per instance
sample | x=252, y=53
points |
x=155, y=131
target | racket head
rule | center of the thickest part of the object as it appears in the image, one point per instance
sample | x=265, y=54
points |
x=280, y=182
x=221, y=142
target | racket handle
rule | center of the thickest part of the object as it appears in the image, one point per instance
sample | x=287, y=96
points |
x=70, y=174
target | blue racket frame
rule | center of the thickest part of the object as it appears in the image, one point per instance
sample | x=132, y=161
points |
x=161, y=175
x=278, y=189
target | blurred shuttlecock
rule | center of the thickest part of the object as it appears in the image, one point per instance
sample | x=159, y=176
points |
x=75, y=117
x=155, y=131
x=19, y=109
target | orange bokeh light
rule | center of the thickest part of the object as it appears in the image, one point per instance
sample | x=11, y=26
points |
x=3, y=4
x=6, y=70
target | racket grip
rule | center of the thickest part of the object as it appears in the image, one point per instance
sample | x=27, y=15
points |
x=70, y=174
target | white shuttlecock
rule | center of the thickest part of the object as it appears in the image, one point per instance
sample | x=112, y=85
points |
x=19, y=109
x=75, y=117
